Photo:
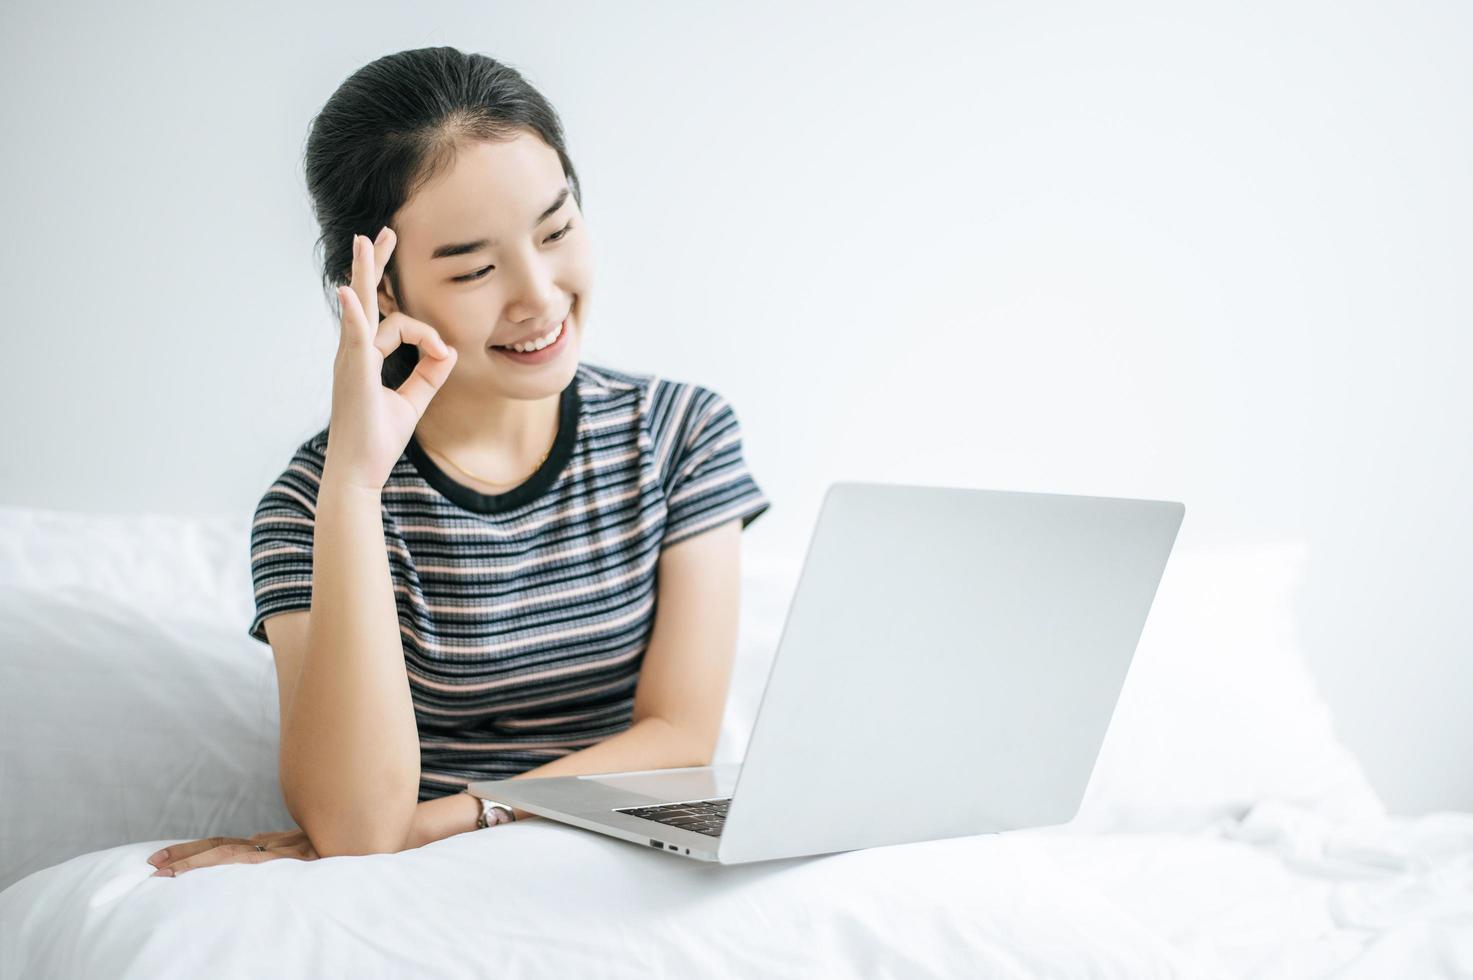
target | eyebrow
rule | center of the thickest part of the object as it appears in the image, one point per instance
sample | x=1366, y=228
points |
x=462, y=248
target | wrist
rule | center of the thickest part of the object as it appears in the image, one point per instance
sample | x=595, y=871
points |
x=338, y=482
x=491, y=813
x=443, y=817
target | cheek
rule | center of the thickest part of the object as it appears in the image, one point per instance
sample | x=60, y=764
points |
x=579, y=266
x=459, y=316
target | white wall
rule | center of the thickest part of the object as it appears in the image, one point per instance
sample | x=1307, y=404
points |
x=1209, y=253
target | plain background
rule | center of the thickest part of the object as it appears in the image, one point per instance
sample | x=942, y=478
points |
x=1210, y=253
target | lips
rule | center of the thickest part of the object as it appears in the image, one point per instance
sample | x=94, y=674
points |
x=542, y=333
x=541, y=355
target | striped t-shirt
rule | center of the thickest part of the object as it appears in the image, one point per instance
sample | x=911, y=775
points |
x=524, y=615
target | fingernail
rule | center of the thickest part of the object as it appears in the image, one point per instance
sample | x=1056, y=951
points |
x=158, y=856
x=163, y=873
x=381, y=232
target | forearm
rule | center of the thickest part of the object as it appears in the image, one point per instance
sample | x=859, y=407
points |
x=650, y=743
x=444, y=817
x=350, y=747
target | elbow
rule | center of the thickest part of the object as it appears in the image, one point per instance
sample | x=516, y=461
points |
x=335, y=833
x=356, y=840
x=701, y=752
x=681, y=745
x=695, y=748
x=704, y=746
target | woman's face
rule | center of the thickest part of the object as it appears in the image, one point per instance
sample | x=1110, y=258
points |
x=493, y=251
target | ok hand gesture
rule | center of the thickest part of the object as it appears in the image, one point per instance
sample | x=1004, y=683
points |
x=371, y=424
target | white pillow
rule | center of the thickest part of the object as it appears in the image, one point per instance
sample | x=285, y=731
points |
x=1219, y=710
x=118, y=725
x=172, y=566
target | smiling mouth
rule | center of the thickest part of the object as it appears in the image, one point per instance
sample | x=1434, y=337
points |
x=555, y=334
x=547, y=353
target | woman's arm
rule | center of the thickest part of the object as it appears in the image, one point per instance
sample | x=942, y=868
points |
x=682, y=682
x=647, y=744
x=350, y=742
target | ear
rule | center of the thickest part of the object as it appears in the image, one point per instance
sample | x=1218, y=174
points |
x=386, y=302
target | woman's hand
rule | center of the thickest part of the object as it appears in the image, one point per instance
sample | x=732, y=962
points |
x=176, y=859
x=370, y=423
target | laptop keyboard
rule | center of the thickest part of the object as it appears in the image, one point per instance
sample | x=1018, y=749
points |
x=702, y=816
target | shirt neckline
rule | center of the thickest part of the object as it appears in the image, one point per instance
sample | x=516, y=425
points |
x=569, y=410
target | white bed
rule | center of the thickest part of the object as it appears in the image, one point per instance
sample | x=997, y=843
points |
x=1225, y=832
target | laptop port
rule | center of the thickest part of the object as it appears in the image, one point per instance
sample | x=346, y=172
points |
x=655, y=843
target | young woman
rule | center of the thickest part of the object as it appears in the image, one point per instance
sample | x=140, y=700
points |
x=495, y=561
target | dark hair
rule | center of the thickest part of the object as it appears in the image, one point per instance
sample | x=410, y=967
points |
x=394, y=125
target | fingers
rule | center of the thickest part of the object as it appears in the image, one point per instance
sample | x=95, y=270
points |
x=188, y=848
x=430, y=373
x=383, y=247
x=433, y=368
x=233, y=851
x=359, y=299
x=365, y=277
x=355, y=331
x=398, y=328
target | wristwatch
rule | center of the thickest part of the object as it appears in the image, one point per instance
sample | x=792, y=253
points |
x=492, y=813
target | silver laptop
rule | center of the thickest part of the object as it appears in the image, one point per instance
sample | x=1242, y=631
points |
x=948, y=666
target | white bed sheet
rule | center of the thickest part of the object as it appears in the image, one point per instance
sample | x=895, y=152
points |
x=1283, y=893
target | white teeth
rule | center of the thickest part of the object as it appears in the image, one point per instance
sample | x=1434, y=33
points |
x=539, y=343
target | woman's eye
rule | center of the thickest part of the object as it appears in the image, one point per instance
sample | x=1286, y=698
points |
x=556, y=236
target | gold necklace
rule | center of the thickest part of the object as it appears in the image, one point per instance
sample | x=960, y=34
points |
x=494, y=483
